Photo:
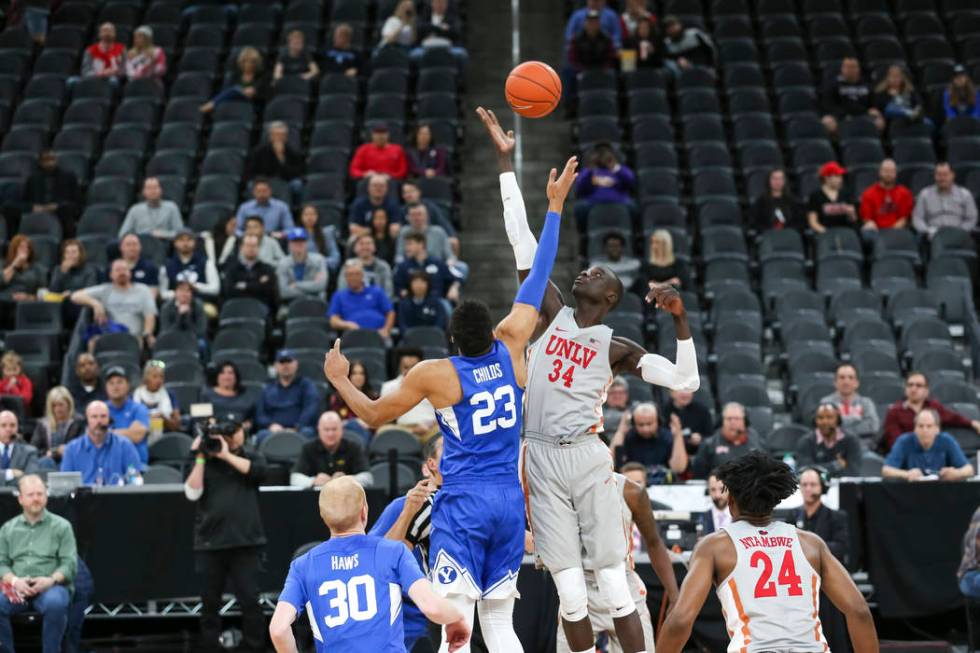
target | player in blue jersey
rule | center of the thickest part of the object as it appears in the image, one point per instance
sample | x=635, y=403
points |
x=351, y=585
x=477, y=540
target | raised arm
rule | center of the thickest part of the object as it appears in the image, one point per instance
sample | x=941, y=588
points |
x=639, y=503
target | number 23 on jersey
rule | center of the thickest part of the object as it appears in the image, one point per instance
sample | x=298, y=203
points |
x=486, y=408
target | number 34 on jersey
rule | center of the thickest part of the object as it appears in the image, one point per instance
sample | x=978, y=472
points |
x=569, y=355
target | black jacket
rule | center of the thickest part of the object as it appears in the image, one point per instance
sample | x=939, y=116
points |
x=263, y=163
x=60, y=187
x=831, y=525
x=228, y=514
x=258, y=281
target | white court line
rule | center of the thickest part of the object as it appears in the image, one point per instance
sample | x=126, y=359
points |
x=515, y=59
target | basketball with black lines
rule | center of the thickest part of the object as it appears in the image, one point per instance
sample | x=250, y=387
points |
x=533, y=89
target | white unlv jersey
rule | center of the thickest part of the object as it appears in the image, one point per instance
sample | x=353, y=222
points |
x=771, y=600
x=568, y=375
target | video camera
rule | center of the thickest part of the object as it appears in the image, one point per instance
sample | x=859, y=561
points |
x=205, y=426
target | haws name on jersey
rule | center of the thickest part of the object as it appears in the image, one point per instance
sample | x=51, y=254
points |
x=343, y=562
x=763, y=541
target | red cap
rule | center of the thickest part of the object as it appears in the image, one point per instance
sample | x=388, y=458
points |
x=832, y=169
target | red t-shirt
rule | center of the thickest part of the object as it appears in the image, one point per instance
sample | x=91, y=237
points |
x=389, y=159
x=886, y=206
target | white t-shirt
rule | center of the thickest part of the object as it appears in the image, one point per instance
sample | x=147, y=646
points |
x=423, y=413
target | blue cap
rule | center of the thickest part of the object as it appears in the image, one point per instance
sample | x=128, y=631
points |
x=285, y=354
x=297, y=233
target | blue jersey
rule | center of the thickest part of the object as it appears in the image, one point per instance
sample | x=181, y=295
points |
x=482, y=432
x=351, y=588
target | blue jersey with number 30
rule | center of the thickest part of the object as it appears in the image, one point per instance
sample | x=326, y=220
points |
x=351, y=588
x=482, y=432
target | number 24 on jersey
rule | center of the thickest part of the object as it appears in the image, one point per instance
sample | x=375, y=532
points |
x=787, y=576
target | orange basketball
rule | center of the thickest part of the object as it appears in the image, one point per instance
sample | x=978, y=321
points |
x=533, y=89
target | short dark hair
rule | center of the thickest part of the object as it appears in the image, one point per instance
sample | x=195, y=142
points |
x=917, y=373
x=840, y=366
x=471, y=328
x=219, y=368
x=429, y=448
x=417, y=236
x=414, y=352
x=757, y=482
x=632, y=466
x=419, y=274
x=254, y=218
x=260, y=180
x=614, y=235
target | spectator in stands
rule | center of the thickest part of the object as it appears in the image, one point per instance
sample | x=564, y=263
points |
x=379, y=156
x=776, y=207
x=275, y=159
x=330, y=456
x=226, y=394
x=732, y=440
x=275, y=214
x=399, y=28
x=301, y=273
x=814, y=516
x=362, y=209
x=248, y=276
x=341, y=57
x=718, y=514
x=376, y=271
x=591, y=48
x=38, y=562
x=74, y=272
x=968, y=573
x=189, y=263
x=438, y=27
x=287, y=403
x=662, y=265
x=412, y=195
x=249, y=81
x=641, y=438
x=425, y=157
x=831, y=205
x=121, y=301
x=106, y=58
x=87, y=385
x=141, y=270
x=927, y=452
x=129, y=418
x=686, y=46
x=270, y=251
x=359, y=306
x=604, y=181
x=608, y=20
x=16, y=456
x=646, y=41
x=437, y=240
x=442, y=283
x=961, y=97
x=944, y=204
x=184, y=312
x=323, y=239
x=53, y=189
x=359, y=377
x=35, y=20
x=381, y=229
x=859, y=416
x=159, y=402
x=616, y=258
x=102, y=457
x=22, y=275
x=695, y=417
x=59, y=426
x=145, y=60
x=885, y=204
x=848, y=96
x=419, y=307
x=420, y=420
x=295, y=59
x=154, y=216
x=896, y=97
x=14, y=383
x=831, y=448
x=634, y=13
x=617, y=404
x=900, y=417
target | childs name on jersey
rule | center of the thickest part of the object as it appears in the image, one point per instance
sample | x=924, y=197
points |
x=762, y=541
x=343, y=563
x=488, y=373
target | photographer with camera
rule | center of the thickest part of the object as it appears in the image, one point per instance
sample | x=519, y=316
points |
x=228, y=533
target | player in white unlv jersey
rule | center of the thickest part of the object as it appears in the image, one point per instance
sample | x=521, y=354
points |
x=565, y=467
x=768, y=574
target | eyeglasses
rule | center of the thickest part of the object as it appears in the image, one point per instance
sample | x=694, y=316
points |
x=159, y=364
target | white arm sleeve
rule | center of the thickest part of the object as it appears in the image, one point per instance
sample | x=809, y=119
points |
x=680, y=376
x=191, y=493
x=515, y=222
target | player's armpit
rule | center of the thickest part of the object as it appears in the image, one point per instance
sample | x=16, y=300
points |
x=837, y=584
x=677, y=628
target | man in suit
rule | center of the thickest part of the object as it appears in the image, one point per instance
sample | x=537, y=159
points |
x=718, y=515
x=16, y=456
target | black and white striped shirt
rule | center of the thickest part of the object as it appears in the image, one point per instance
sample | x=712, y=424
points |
x=419, y=530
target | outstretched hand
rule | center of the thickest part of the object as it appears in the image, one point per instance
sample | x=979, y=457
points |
x=504, y=141
x=666, y=297
x=335, y=365
x=558, y=188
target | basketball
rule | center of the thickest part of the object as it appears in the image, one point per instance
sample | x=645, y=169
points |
x=533, y=89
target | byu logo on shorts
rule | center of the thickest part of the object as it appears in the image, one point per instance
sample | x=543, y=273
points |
x=446, y=575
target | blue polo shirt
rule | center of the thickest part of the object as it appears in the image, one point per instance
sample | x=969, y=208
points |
x=367, y=308
x=907, y=453
x=131, y=412
x=114, y=458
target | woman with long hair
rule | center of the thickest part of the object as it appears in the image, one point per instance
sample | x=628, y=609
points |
x=961, y=97
x=775, y=207
x=358, y=376
x=381, y=230
x=59, y=426
x=425, y=157
x=145, y=60
x=74, y=272
x=662, y=265
x=227, y=394
x=323, y=240
x=248, y=81
x=22, y=276
x=896, y=97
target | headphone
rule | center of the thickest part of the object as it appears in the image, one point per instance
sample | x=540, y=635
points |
x=821, y=474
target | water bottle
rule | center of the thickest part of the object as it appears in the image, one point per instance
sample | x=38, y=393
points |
x=790, y=461
x=132, y=477
x=100, y=477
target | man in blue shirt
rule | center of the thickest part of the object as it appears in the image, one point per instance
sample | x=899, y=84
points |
x=129, y=418
x=351, y=585
x=442, y=282
x=102, y=457
x=927, y=452
x=289, y=403
x=359, y=306
x=140, y=269
x=608, y=20
x=363, y=207
x=275, y=213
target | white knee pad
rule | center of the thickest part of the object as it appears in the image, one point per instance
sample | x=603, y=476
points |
x=616, y=590
x=497, y=622
x=572, y=593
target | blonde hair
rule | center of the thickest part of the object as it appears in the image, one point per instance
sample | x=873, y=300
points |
x=341, y=502
x=12, y=358
x=248, y=52
x=57, y=393
x=907, y=86
x=663, y=236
